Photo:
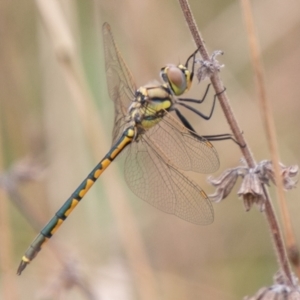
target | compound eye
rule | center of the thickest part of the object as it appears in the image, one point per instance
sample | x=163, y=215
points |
x=177, y=80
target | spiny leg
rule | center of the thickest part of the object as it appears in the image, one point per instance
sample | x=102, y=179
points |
x=186, y=123
x=212, y=138
x=197, y=100
x=193, y=56
x=197, y=112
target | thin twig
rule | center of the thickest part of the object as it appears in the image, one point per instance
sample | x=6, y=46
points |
x=269, y=123
x=224, y=102
x=217, y=84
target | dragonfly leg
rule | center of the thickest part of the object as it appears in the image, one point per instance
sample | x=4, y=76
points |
x=193, y=56
x=197, y=100
x=184, y=121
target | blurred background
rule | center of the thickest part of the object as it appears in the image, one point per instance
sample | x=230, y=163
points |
x=115, y=246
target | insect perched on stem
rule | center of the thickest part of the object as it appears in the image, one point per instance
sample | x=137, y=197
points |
x=159, y=146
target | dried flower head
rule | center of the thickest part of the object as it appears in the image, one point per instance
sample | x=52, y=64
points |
x=251, y=189
x=265, y=169
x=280, y=290
x=209, y=67
x=224, y=184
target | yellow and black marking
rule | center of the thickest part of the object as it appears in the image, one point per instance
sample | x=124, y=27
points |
x=52, y=226
x=152, y=111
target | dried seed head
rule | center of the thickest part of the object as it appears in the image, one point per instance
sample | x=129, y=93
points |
x=266, y=173
x=209, y=67
x=279, y=290
x=251, y=188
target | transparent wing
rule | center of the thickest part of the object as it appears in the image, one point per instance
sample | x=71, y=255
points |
x=186, y=151
x=121, y=86
x=154, y=179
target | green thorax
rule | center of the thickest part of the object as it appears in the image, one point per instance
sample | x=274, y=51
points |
x=150, y=105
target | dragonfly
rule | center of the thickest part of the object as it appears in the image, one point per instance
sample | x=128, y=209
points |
x=159, y=145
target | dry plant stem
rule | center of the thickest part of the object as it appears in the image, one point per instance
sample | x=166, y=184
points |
x=269, y=123
x=224, y=102
x=277, y=239
x=217, y=84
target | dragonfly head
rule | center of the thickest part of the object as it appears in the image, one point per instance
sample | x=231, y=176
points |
x=179, y=78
